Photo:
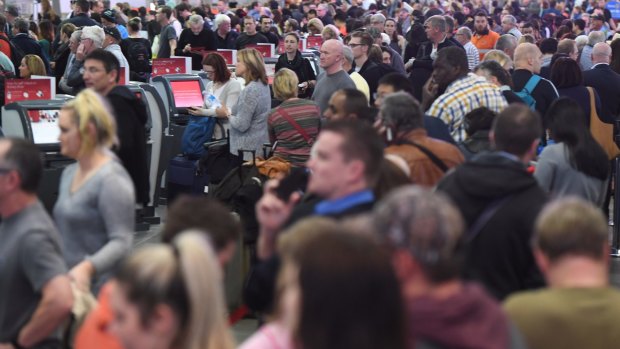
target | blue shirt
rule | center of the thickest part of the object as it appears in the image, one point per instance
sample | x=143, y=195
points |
x=121, y=29
x=328, y=207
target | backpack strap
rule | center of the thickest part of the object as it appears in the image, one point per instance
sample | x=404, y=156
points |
x=485, y=217
x=295, y=125
x=437, y=161
x=532, y=83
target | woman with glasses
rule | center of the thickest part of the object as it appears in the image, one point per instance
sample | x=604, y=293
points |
x=223, y=89
x=95, y=211
x=293, y=60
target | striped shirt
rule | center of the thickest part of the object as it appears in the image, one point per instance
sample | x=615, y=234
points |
x=291, y=144
x=473, y=58
x=461, y=97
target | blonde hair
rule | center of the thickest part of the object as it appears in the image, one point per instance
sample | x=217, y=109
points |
x=87, y=108
x=187, y=277
x=332, y=31
x=316, y=23
x=285, y=84
x=35, y=65
x=255, y=66
x=499, y=56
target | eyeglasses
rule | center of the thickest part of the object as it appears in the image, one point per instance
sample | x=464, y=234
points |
x=5, y=170
x=355, y=45
x=90, y=70
x=209, y=72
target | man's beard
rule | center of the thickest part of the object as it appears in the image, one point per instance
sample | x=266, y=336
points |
x=485, y=31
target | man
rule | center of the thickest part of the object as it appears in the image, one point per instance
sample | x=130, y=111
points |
x=80, y=19
x=111, y=44
x=323, y=12
x=360, y=44
x=347, y=65
x=597, y=24
x=548, y=47
x=97, y=7
x=101, y=73
x=11, y=13
x=378, y=21
x=349, y=103
x=344, y=169
x=22, y=40
x=108, y=20
x=579, y=27
x=494, y=73
x=396, y=60
x=168, y=35
x=90, y=40
x=333, y=77
x=605, y=81
x=509, y=26
x=568, y=47
x=249, y=36
x=422, y=65
x=450, y=31
x=266, y=24
x=258, y=10
x=571, y=248
x=463, y=36
x=500, y=200
x=225, y=37
x=463, y=92
x=586, y=54
x=528, y=60
x=395, y=82
x=484, y=39
x=183, y=11
x=422, y=231
x=222, y=8
x=508, y=44
x=428, y=159
x=138, y=52
x=35, y=297
x=194, y=39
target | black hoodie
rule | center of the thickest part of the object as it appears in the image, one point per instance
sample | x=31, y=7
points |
x=131, y=117
x=500, y=256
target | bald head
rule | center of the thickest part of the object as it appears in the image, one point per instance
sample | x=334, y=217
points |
x=527, y=56
x=601, y=53
x=331, y=56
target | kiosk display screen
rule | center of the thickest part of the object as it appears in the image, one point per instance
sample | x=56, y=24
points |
x=44, y=124
x=187, y=93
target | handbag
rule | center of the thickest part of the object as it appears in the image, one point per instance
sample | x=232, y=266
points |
x=603, y=133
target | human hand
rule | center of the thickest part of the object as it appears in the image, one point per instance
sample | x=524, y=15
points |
x=81, y=274
x=197, y=111
x=271, y=211
x=187, y=48
x=429, y=92
x=80, y=52
x=6, y=346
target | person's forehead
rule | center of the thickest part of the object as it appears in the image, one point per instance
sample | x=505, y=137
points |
x=93, y=63
x=385, y=88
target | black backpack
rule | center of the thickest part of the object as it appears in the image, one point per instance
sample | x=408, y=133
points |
x=16, y=54
x=138, y=57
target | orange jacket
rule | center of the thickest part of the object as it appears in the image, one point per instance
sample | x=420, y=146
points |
x=484, y=43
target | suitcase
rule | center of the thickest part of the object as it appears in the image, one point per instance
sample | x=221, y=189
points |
x=185, y=176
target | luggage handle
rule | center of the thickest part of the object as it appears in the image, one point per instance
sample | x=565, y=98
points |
x=240, y=153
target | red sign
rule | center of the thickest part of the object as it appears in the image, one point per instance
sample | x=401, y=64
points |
x=315, y=41
x=266, y=49
x=122, y=80
x=173, y=65
x=28, y=89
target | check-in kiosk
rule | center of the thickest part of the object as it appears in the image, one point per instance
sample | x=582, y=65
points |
x=37, y=121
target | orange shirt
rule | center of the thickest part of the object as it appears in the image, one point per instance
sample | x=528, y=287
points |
x=485, y=43
x=94, y=331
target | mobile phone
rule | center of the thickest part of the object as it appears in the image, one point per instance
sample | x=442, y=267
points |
x=296, y=181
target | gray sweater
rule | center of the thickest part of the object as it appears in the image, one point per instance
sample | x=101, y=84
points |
x=248, y=122
x=326, y=85
x=556, y=176
x=97, y=221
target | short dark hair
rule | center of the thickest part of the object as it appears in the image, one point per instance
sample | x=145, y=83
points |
x=515, y=128
x=109, y=60
x=221, y=72
x=167, y=11
x=365, y=38
x=565, y=72
x=22, y=25
x=402, y=112
x=193, y=212
x=495, y=69
x=263, y=17
x=134, y=24
x=355, y=101
x=83, y=5
x=361, y=142
x=548, y=46
x=398, y=82
x=26, y=158
x=455, y=57
x=580, y=23
x=479, y=119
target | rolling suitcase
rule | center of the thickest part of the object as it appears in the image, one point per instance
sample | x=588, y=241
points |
x=185, y=176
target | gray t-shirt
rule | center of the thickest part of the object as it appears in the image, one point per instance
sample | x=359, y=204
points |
x=167, y=33
x=97, y=221
x=326, y=85
x=30, y=256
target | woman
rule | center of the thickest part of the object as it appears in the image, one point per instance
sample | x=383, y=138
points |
x=171, y=297
x=386, y=55
x=315, y=26
x=31, y=65
x=46, y=37
x=576, y=164
x=294, y=124
x=500, y=57
x=567, y=77
x=330, y=32
x=615, y=56
x=248, y=118
x=293, y=60
x=325, y=303
x=397, y=41
x=95, y=209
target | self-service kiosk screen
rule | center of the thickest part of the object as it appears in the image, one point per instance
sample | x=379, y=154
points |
x=44, y=124
x=186, y=93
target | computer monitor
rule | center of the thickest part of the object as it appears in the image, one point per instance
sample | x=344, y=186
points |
x=44, y=125
x=187, y=93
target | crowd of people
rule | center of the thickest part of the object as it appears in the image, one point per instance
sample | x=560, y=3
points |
x=456, y=192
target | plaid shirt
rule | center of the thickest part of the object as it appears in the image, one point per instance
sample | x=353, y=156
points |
x=461, y=97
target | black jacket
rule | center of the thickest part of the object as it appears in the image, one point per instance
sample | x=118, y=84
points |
x=372, y=72
x=301, y=67
x=607, y=83
x=422, y=67
x=544, y=93
x=205, y=40
x=30, y=46
x=500, y=256
x=227, y=43
x=131, y=117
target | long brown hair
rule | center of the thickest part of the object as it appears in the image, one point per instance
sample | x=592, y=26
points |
x=255, y=66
